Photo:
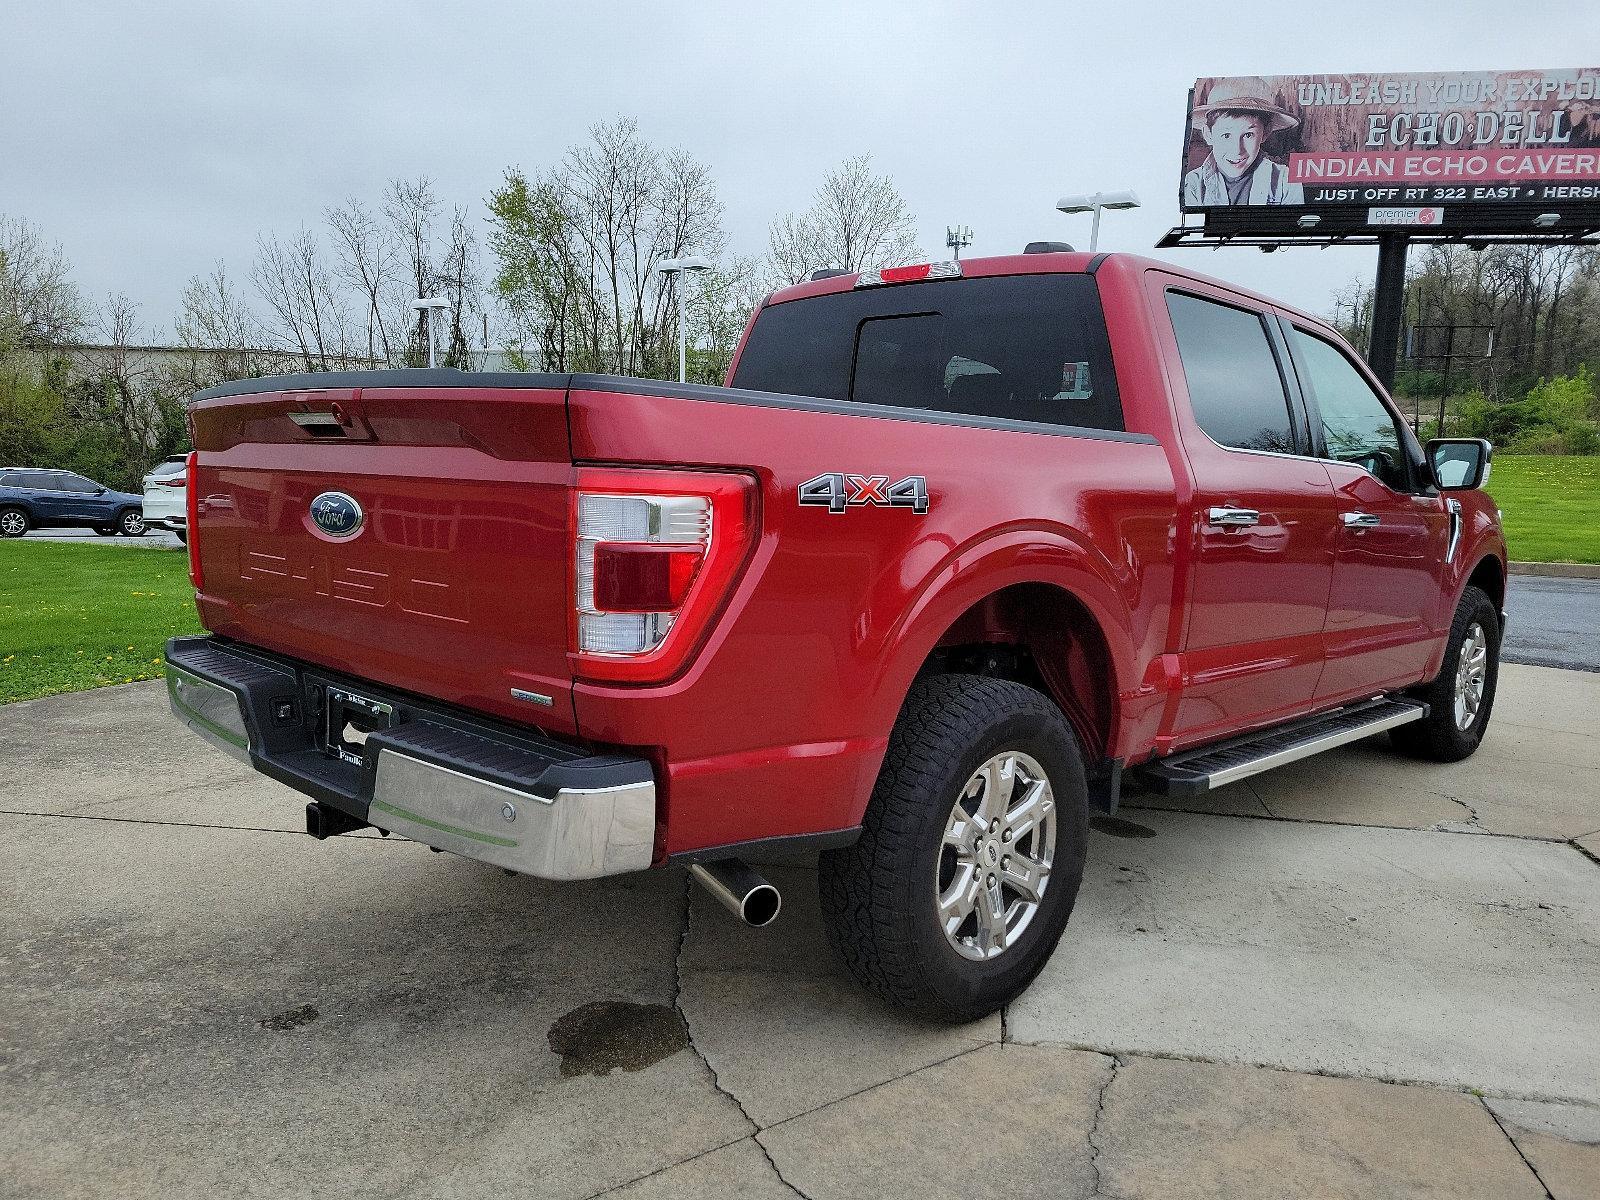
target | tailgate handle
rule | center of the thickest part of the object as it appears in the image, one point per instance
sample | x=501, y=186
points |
x=319, y=424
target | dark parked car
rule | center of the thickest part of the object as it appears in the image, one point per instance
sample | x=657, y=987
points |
x=35, y=499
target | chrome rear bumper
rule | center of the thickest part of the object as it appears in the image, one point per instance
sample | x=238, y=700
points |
x=443, y=777
x=578, y=833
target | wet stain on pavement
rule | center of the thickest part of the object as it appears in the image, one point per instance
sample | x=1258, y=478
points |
x=1117, y=827
x=597, y=1038
x=291, y=1018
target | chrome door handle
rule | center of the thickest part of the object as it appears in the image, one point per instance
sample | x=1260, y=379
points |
x=1227, y=517
x=1360, y=520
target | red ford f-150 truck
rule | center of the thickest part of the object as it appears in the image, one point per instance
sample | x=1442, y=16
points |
x=961, y=551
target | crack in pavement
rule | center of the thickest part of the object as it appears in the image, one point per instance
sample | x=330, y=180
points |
x=716, y=1081
x=1495, y=1117
x=1321, y=1072
x=1462, y=831
x=357, y=835
x=1470, y=825
x=1260, y=799
x=1094, y=1129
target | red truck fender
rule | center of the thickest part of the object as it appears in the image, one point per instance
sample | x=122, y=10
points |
x=1097, y=616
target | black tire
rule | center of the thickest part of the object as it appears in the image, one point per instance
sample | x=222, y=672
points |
x=14, y=521
x=130, y=523
x=880, y=896
x=183, y=536
x=1439, y=736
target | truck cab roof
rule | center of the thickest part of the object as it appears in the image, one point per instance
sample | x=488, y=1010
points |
x=1075, y=262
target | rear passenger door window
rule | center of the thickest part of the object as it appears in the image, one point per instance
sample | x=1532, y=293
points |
x=1235, y=383
x=1357, y=427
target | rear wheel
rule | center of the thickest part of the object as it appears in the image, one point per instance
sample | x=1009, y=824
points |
x=14, y=522
x=1461, y=697
x=130, y=523
x=183, y=536
x=971, y=850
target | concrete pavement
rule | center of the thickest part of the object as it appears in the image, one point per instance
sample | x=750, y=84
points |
x=1360, y=976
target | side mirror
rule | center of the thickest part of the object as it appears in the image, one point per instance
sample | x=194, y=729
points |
x=1459, y=464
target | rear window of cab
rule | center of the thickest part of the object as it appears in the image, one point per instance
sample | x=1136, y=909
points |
x=1015, y=347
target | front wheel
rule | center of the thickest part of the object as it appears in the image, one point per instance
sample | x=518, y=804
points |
x=131, y=523
x=1461, y=696
x=971, y=850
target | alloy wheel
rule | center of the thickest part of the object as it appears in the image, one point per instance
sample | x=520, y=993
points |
x=995, y=857
x=1472, y=672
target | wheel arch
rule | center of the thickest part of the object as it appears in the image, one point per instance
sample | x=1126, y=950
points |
x=1489, y=575
x=1052, y=614
x=1042, y=635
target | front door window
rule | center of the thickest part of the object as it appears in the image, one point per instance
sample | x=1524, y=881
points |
x=1357, y=427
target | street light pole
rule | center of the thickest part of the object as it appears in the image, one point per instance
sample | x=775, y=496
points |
x=677, y=266
x=431, y=305
x=1095, y=203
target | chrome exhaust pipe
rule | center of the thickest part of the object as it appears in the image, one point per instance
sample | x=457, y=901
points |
x=740, y=890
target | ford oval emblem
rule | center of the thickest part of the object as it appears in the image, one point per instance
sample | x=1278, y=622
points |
x=337, y=514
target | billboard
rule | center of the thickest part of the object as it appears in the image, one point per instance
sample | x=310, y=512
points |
x=1441, y=150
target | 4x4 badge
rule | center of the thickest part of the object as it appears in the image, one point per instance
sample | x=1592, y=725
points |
x=837, y=491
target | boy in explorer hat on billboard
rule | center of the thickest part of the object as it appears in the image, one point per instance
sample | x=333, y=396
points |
x=1235, y=121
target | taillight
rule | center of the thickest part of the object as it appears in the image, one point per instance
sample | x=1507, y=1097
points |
x=656, y=553
x=181, y=479
x=191, y=505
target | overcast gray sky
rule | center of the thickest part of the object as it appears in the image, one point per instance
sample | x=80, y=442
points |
x=152, y=139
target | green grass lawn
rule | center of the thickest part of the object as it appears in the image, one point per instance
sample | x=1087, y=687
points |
x=1551, y=506
x=82, y=616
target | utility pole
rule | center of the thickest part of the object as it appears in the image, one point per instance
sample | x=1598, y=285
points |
x=958, y=238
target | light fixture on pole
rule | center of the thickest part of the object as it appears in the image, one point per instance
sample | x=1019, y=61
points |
x=431, y=305
x=1094, y=203
x=677, y=266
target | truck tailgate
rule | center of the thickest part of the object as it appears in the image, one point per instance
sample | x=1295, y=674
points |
x=454, y=582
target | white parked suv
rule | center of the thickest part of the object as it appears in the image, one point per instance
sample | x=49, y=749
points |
x=166, y=496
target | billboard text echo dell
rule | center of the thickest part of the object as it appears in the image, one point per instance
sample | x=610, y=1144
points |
x=1433, y=149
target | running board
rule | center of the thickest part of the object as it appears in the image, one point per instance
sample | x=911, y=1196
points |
x=1208, y=767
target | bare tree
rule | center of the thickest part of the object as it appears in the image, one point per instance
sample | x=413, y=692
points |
x=578, y=252
x=40, y=307
x=458, y=280
x=368, y=263
x=297, y=286
x=857, y=220
x=410, y=207
x=225, y=339
x=718, y=313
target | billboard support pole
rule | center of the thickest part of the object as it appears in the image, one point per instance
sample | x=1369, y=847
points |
x=1388, y=298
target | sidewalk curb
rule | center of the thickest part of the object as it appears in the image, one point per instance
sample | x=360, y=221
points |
x=1557, y=570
